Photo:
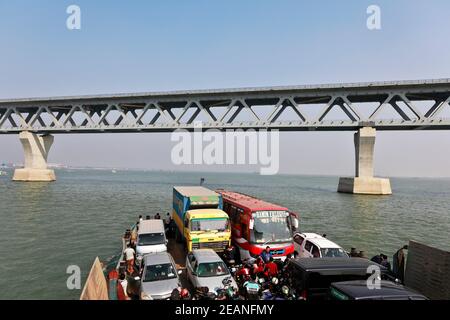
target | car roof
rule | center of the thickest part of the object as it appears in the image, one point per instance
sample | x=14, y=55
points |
x=151, y=226
x=206, y=255
x=157, y=258
x=335, y=266
x=358, y=289
x=189, y=191
x=319, y=241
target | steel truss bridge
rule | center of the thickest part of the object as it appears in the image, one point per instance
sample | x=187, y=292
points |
x=410, y=105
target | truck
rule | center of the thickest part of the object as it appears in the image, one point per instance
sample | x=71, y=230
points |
x=201, y=222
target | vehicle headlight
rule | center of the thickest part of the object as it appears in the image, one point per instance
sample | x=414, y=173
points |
x=146, y=296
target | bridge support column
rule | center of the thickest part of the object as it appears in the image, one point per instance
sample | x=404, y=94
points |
x=36, y=150
x=364, y=182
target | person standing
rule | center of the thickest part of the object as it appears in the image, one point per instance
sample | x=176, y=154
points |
x=266, y=255
x=157, y=216
x=129, y=257
x=167, y=219
x=398, y=263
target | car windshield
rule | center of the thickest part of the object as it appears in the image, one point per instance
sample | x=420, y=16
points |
x=212, y=269
x=148, y=239
x=159, y=272
x=220, y=224
x=333, y=253
x=270, y=226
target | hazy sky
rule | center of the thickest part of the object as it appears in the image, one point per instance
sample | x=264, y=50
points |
x=135, y=46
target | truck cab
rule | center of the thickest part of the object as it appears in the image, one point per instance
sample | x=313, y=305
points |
x=200, y=220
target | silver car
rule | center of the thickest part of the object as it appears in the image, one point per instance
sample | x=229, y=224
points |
x=205, y=269
x=159, y=276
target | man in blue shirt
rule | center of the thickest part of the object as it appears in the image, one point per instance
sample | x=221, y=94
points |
x=266, y=255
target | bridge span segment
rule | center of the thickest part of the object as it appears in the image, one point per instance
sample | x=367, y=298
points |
x=360, y=107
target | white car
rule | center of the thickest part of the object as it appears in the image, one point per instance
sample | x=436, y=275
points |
x=312, y=245
x=205, y=269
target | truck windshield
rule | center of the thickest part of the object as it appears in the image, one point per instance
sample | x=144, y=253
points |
x=159, y=272
x=212, y=269
x=209, y=224
x=270, y=226
x=148, y=239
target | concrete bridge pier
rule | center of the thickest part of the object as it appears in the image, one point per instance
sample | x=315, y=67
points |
x=364, y=182
x=36, y=150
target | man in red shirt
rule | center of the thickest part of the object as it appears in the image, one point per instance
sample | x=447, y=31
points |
x=271, y=268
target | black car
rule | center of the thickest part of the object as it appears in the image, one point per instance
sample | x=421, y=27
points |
x=311, y=278
x=358, y=290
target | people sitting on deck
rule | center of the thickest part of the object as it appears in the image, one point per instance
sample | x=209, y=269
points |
x=157, y=216
x=362, y=254
x=129, y=257
x=147, y=217
x=385, y=262
x=140, y=219
x=377, y=258
x=266, y=255
x=354, y=253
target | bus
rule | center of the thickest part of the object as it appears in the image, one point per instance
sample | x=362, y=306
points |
x=256, y=224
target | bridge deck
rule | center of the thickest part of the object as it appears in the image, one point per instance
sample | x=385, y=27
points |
x=401, y=105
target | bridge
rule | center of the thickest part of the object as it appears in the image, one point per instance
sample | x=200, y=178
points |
x=360, y=107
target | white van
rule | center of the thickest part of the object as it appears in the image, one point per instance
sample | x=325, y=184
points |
x=151, y=237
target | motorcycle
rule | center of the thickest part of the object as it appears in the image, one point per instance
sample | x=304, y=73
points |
x=228, y=292
x=202, y=293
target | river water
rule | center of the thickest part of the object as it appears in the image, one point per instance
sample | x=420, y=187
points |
x=46, y=227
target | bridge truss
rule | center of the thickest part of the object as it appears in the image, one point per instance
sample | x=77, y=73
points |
x=404, y=105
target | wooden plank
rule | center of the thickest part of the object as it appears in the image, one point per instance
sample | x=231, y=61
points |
x=96, y=287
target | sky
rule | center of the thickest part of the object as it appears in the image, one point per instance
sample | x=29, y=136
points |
x=143, y=46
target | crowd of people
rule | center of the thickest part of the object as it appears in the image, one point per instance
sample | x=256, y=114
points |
x=250, y=271
x=397, y=269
